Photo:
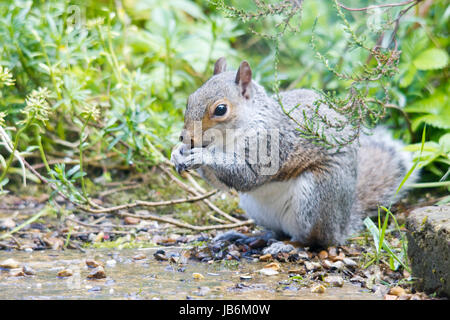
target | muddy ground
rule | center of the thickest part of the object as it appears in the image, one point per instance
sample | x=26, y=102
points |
x=68, y=253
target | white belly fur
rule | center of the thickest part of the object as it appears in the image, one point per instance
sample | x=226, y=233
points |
x=276, y=206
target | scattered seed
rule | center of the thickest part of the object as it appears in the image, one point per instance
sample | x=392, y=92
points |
x=318, y=289
x=198, y=276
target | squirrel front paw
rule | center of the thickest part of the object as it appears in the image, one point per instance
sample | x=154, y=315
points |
x=186, y=159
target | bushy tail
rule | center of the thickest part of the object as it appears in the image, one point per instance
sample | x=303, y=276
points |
x=382, y=165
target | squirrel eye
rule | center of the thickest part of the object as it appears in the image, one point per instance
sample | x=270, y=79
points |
x=220, y=110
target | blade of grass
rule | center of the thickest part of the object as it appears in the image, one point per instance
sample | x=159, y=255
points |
x=29, y=221
x=415, y=163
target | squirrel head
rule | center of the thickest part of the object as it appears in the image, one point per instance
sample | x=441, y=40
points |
x=218, y=103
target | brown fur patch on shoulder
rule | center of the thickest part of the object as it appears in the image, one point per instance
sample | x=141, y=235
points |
x=298, y=162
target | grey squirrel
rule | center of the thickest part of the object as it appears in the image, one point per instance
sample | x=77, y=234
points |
x=315, y=195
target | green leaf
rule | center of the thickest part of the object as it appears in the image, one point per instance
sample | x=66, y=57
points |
x=374, y=231
x=408, y=77
x=444, y=141
x=431, y=59
x=438, y=121
x=432, y=104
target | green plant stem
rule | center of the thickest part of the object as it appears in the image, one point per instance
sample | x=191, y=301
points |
x=29, y=221
x=83, y=184
x=16, y=143
x=41, y=151
x=430, y=184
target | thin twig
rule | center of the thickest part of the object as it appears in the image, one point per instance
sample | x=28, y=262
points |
x=111, y=191
x=195, y=192
x=144, y=203
x=187, y=225
x=140, y=203
x=399, y=4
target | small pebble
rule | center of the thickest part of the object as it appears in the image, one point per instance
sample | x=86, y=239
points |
x=265, y=257
x=312, y=266
x=332, y=252
x=16, y=272
x=335, y=281
x=111, y=263
x=140, y=256
x=28, y=270
x=131, y=220
x=323, y=255
x=202, y=291
x=349, y=262
x=10, y=264
x=268, y=272
x=91, y=263
x=97, y=273
x=65, y=273
x=245, y=277
x=257, y=244
x=327, y=264
x=160, y=256
x=95, y=289
x=339, y=265
x=300, y=271
x=273, y=265
x=397, y=291
x=8, y=223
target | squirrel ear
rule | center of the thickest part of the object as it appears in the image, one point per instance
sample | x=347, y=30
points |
x=243, y=78
x=220, y=65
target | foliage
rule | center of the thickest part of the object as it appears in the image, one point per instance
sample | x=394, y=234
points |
x=344, y=53
x=79, y=79
x=114, y=78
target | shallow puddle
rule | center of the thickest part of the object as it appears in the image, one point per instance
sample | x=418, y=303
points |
x=152, y=279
